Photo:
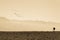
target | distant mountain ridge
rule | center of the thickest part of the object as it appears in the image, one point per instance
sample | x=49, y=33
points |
x=3, y=18
x=14, y=25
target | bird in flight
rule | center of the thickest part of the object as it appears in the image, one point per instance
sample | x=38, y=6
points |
x=54, y=28
x=17, y=15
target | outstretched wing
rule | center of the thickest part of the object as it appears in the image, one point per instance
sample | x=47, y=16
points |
x=17, y=15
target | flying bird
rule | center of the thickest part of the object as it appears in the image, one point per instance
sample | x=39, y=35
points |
x=17, y=15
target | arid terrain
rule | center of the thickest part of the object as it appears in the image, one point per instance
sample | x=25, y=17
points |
x=14, y=25
x=30, y=35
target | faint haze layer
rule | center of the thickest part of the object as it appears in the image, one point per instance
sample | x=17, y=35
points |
x=23, y=25
x=46, y=10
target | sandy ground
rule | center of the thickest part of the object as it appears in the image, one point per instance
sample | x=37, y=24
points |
x=11, y=25
x=30, y=35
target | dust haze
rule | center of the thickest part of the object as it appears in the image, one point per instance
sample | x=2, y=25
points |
x=15, y=25
x=29, y=15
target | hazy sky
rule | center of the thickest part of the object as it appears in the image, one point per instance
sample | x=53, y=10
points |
x=47, y=10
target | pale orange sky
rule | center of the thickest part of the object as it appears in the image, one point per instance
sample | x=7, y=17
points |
x=47, y=10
